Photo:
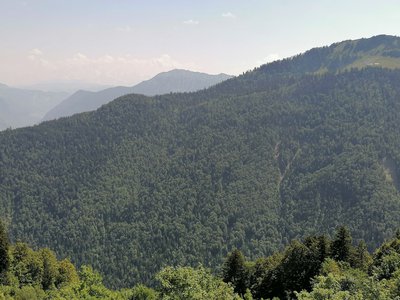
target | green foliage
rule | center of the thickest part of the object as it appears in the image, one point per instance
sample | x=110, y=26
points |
x=50, y=268
x=39, y=275
x=91, y=284
x=29, y=293
x=66, y=274
x=286, y=274
x=311, y=270
x=27, y=265
x=247, y=295
x=304, y=270
x=142, y=292
x=185, y=283
x=348, y=283
x=361, y=258
x=386, y=260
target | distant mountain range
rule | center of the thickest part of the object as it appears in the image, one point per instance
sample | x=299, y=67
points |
x=20, y=107
x=23, y=107
x=163, y=83
x=67, y=86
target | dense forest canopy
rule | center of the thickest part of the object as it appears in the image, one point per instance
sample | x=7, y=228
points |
x=293, y=148
x=316, y=268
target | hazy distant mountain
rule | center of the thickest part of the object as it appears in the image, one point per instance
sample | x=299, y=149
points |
x=178, y=81
x=70, y=86
x=20, y=107
x=163, y=83
x=82, y=101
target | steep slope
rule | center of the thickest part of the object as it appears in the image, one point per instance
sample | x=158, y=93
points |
x=183, y=178
x=163, y=83
x=20, y=107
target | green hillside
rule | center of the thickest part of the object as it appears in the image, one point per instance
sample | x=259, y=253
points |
x=281, y=152
x=381, y=50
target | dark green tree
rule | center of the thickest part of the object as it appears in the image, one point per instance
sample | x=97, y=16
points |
x=234, y=271
x=319, y=246
x=298, y=267
x=323, y=247
x=341, y=246
x=4, y=258
x=264, y=282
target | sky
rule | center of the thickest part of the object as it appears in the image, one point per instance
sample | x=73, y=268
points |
x=122, y=42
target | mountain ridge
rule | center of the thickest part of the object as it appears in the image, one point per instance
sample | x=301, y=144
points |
x=177, y=80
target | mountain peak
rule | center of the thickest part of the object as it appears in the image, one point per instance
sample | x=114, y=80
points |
x=184, y=72
x=176, y=81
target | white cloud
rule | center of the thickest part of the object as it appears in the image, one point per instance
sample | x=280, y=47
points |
x=228, y=15
x=104, y=69
x=36, y=56
x=269, y=58
x=79, y=56
x=36, y=51
x=191, y=22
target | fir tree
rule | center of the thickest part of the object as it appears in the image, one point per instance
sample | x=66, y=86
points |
x=234, y=271
x=341, y=246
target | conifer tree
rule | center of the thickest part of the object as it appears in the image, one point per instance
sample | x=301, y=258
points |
x=341, y=246
x=234, y=271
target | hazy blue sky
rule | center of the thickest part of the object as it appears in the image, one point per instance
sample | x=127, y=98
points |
x=126, y=41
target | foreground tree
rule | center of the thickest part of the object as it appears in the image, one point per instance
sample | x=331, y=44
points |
x=341, y=282
x=234, y=271
x=361, y=257
x=185, y=283
x=341, y=248
x=142, y=292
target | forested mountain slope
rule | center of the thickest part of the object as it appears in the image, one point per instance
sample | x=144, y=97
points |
x=181, y=178
x=163, y=83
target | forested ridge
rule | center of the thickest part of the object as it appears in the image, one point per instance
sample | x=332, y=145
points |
x=281, y=152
